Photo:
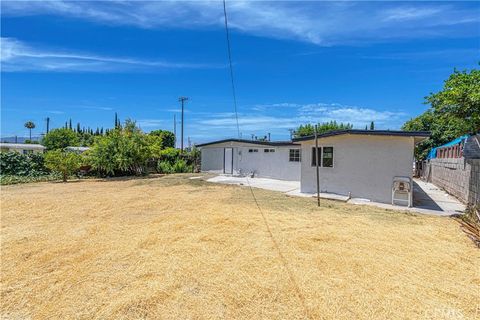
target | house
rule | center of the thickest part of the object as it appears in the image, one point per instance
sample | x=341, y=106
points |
x=268, y=159
x=24, y=148
x=356, y=163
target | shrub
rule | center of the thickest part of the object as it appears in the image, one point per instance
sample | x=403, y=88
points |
x=181, y=166
x=60, y=139
x=160, y=140
x=170, y=155
x=8, y=179
x=124, y=150
x=63, y=162
x=164, y=167
x=17, y=164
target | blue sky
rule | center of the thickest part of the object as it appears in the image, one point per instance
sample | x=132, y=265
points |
x=294, y=62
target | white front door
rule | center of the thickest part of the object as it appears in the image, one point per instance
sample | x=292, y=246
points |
x=228, y=160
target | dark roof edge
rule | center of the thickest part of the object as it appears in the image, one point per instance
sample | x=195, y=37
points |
x=368, y=132
x=264, y=143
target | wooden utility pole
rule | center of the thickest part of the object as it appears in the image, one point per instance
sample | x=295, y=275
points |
x=182, y=100
x=175, y=130
x=317, y=161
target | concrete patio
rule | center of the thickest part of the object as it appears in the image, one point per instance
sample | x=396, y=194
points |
x=427, y=198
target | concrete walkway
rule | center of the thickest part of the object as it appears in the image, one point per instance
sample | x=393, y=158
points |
x=428, y=199
x=262, y=183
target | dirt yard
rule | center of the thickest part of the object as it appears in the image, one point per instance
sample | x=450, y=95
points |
x=174, y=248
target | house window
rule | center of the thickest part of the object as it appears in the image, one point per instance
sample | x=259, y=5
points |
x=268, y=150
x=295, y=155
x=252, y=150
x=326, y=160
x=327, y=157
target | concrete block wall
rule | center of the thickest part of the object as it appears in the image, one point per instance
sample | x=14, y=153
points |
x=459, y=177
x=452, y=175
x=474, y=190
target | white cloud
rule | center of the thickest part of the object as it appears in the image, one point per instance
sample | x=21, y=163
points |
x=56, y=112
x=18, y=56
x=318, y=22
x=152, y=123
x=410, y=13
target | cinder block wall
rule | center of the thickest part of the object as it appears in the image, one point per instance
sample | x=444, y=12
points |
x=458, y=177
x=452, y=175
x=474, y=192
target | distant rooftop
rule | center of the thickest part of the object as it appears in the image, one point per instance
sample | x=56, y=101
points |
x=81, y=149
x=32, y=146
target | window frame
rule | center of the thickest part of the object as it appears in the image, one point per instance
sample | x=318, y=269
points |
x=323, y=157
x=252, y=150
x=321, y=149
x=298, y=157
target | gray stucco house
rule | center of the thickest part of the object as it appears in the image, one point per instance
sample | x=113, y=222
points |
x=358, y=163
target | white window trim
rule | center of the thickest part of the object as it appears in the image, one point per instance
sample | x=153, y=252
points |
x=299, y=155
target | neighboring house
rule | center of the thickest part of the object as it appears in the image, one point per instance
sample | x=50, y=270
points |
x=77, y=149
x=24, y=148
x=356, y=163
x=455, y=167
x=277, y=160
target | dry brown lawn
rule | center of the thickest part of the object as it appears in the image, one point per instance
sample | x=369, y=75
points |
x=174, y=248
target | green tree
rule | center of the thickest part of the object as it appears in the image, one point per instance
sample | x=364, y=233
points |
x=160, y=140
x=454, y=111
x=372, y=125
x=30, y=126
x=64, y=162
x=60, y=139
x=309, y=129
x=125, y=150
x=459, y=99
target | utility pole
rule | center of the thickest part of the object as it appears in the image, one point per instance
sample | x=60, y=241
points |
x=182, y=100
x=175, y=131
x=48, y=124
x=317, y=160
x=291, y=133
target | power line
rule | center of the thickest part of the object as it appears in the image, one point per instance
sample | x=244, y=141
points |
x=264, y=218
x=282, y=257
x=231, y=67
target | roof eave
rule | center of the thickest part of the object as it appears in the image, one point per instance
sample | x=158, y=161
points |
x=416, y=134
